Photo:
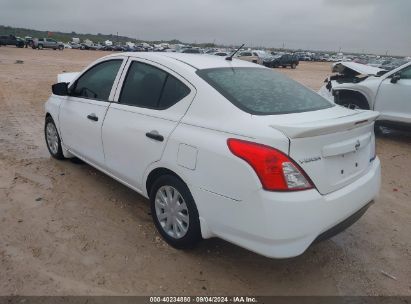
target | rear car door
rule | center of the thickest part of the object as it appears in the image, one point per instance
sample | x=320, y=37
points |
x=151, y=102
x=394, y=99
x=82, y=112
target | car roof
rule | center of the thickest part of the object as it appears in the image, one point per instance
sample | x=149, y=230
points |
x=195, y=61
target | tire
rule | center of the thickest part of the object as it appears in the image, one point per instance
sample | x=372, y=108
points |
x=184, y=231
x=40, y=47
x=377, y=129
x=61, y=47
x=354, y=104
x=52, y=138
x=293, y=66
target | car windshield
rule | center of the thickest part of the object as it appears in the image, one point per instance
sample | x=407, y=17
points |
x=262, y=91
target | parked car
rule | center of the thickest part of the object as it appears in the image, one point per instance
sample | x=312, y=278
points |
x=359, y=86
x=221, y=148
x=255, y=56
x=75, y=45
x=108, y=48
x=390, y=65
x=222, y=54
x=47, y=43
x=281, y=61
x=11, y=40
x=191, y=51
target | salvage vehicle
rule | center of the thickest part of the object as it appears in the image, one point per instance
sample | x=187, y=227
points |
x=221, y=147
x=283, y=60
x=358, y=86
x=11, y=40
x=47, y=43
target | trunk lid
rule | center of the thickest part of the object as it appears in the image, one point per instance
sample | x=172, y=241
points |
x=334, y=146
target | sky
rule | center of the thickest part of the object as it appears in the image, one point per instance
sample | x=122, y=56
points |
x=371, y=26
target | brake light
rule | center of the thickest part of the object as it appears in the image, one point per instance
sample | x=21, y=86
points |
x=276, y=171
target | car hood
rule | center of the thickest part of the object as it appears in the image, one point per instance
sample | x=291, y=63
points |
x=343, y=66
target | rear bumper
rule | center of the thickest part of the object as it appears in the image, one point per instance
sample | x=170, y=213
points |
x=340, y=227
x=282, y=225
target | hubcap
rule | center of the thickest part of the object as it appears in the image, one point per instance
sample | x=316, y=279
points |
x=172, y=212
x=52, y=138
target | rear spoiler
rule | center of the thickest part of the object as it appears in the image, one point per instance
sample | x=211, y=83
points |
x=328, y=126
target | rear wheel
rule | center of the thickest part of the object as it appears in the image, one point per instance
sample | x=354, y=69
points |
x=174, y=212
x=293, y=66
x=53, y=139
x=40, y=47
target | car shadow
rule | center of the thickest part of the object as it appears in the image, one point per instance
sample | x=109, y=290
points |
x=401, y=135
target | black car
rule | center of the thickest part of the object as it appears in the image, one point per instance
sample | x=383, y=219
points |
x=11, y=40
x=284, y=60
x=191, y=51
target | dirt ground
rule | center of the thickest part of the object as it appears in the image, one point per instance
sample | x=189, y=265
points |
x=67, y=229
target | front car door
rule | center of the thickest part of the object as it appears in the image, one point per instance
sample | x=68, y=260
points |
x=394, y=99
x=151, y=100
x=82, y=112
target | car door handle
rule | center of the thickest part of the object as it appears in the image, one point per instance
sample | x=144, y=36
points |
x=154, y=135
x=92, y=117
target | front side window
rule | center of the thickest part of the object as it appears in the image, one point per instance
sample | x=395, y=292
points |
x=261, y=91
x=406, y=73
x=97, y=82
x=149, y=87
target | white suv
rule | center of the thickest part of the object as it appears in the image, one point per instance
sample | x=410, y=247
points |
x=221, y=148
x=359, y=86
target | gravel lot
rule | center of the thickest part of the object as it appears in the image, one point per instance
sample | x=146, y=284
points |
x=67, y=229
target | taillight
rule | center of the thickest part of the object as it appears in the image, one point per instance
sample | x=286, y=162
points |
x=276, y=171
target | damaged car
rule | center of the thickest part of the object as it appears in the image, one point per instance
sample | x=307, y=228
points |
x=359, y=86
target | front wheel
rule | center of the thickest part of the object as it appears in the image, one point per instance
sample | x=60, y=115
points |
x=293, y=66
x=53, y=139
x=40, y=47
x=174, y=212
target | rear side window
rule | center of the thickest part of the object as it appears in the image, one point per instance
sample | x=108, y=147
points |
x=149, y=87
x=261, y=91
x=97, y=82
x=174, y=91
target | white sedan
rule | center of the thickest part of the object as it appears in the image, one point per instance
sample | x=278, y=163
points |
x=221, y=148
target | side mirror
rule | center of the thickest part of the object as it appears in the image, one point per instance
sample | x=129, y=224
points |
x=60, y=89
x=395, y=78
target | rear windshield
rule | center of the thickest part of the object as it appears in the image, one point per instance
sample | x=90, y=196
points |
x=262, y=91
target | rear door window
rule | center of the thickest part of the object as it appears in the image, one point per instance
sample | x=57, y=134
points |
x=261, y=91
x=149, y=87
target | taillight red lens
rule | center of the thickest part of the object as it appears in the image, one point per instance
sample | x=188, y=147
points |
x=276, y=171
